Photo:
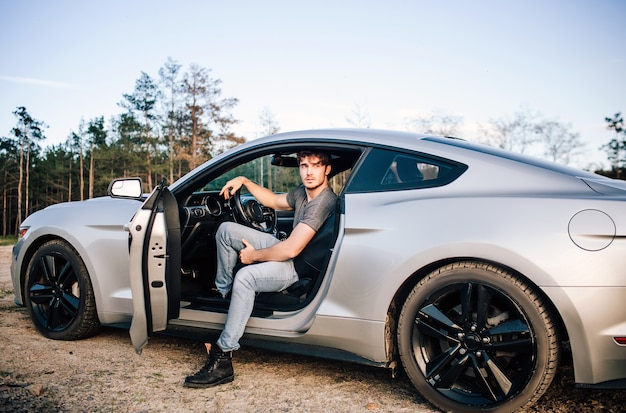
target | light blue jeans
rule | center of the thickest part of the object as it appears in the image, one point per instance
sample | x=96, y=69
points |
x=251, y=279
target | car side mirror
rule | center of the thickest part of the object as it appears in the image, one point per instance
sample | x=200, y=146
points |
x=125, y=188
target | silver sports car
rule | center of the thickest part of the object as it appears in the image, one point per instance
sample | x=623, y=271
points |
x=471, y=268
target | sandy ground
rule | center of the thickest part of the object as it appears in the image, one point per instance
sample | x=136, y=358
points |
x=103, y=374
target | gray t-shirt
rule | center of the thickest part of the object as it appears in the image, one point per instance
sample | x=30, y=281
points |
x=312, y=213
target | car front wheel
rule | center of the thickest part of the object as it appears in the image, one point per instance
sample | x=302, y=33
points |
x=474, y=337
x=59, y=295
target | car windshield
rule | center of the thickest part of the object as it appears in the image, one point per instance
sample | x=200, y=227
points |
x=261, y=171
x=277, y=178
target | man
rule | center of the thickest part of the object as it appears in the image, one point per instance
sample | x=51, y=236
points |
x=270, y=265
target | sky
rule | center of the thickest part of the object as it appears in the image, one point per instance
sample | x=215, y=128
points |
x=312, y=64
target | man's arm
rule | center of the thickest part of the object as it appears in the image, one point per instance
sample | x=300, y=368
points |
x=301, y=235
x=262, y=194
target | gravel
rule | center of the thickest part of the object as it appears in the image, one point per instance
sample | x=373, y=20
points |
x=103, y=373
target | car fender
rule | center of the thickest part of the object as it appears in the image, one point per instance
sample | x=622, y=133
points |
x=103, y=247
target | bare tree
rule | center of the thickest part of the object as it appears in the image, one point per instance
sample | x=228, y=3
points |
x=359, y=117
x=268, y=126
x=268, y=123
x=560, y=144
x=528, y=132
x=437, y=123
x=517, y=134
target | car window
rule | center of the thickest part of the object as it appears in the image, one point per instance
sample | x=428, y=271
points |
x=385, y=170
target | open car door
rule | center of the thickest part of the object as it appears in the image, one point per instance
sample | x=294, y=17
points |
x=154, y=265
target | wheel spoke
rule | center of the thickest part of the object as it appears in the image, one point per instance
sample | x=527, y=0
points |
x=432, y=322
x=481, y=374
x=66, y=276
x=54, y=316
x=513, y=336
x=41, y=294
x=483, y=301
x=48, y=268
x=70, y=304
x=522, y=345
x=466, y=302
x=499, y=376
x=444, y=370
x=516, y=326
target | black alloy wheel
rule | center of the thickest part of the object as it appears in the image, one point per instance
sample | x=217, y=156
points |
x=59, y=295
x=473, y=337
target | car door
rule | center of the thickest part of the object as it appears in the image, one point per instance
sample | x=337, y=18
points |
x=154, y=265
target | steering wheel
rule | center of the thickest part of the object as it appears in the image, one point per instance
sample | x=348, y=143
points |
x=252, y=213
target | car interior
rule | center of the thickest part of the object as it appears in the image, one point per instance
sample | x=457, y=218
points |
x=203, y=210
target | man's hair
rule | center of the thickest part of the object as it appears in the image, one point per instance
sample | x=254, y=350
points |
x=323, y=156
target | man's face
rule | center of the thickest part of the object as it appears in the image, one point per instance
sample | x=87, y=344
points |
x=312, y=172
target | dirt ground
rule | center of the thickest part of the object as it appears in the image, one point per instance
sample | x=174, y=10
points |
x=103, y=374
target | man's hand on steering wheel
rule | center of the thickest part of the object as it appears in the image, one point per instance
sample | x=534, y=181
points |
x=252, y=213
x=232, y=186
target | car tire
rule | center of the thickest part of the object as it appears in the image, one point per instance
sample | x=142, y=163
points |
x=58, y=293
x=475, y=337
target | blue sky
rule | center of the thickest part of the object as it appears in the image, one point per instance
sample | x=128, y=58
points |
x=312, y=63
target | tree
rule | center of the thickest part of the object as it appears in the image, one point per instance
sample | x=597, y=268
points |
x=268, y=123
x=152, y=133
x=617, y=145
x=8, y=171
x=198, y=88
x=560, y=144
x=75, y=143
x=27, y=133
x=359, y=117
x=269, y=126
x=97, y=136
x=142, y=101
x=437, y=123
x=517, y=134
x=171, y=91
x=128, y=135
x=53, y=175
x=209, y=116
x=528, y=132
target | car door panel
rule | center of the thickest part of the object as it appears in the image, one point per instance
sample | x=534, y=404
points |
x=154, y=266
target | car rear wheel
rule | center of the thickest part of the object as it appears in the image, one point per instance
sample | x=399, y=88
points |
x=474, y=337
x=59, y=294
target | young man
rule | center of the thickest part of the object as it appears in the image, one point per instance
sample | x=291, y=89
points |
x=270, y=261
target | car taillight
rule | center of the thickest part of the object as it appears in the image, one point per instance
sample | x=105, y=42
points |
x=620, y=340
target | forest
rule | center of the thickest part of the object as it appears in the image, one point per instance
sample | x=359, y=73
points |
x=174, y=122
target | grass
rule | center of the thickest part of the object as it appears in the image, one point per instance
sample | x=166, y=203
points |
x=8, y=240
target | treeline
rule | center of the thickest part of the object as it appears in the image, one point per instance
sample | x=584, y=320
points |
x=169, y=125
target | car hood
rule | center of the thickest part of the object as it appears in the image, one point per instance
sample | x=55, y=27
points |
x=94, y=211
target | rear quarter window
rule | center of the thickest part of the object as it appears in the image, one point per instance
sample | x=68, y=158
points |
x=388, y=170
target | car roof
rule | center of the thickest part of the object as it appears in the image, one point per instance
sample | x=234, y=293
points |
x=433, y=144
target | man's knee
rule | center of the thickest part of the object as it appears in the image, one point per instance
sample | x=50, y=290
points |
x=224, y=230
x=225, y=227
